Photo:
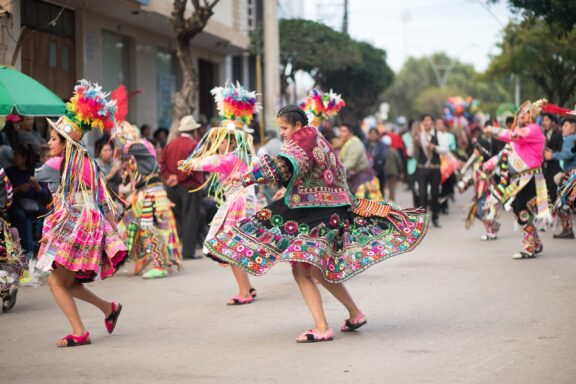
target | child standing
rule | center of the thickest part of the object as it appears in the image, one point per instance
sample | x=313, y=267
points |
x=225, y=152
x=79, y=240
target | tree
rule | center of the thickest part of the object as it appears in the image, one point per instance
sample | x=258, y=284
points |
x=311, y=47
x=559, y=13
x=360, y=84
x=531, y=49
x=416, y=89
x=186, y=28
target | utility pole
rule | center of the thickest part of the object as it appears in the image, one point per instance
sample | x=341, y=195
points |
x=271, y=63
x=345, y=18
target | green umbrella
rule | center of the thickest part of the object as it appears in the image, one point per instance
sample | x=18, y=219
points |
x=25, y=96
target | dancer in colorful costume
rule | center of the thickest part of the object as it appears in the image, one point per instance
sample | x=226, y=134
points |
x=565, y=202
x=318, y=225
x=522, y=186
x=13, y=262
x=482, y=181
x=226, y=152
x=79, y=240
x=150, y=227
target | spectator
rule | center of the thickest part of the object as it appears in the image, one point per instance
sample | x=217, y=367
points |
x=554, y=143
x=30, y=198
x=186, y=205
x=161, y=136
x=27, y=135
x=428, y=158
x=447, y=140
x=146, y=131
x=409, y=139
x=394, y=168
x=489, y=143
x=110, y=167
x=377, y=153
x=361, y=177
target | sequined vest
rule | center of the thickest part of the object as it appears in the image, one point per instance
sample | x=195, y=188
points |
x=318, y=178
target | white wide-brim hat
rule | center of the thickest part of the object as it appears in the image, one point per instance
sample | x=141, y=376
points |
x=188, y=123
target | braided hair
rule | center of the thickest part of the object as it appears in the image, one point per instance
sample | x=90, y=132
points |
x=293, y=114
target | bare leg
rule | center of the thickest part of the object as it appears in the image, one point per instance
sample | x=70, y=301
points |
x=61, y=282
x=243, y=282
x=79, y=291
x=311, y=295
x=340, y=292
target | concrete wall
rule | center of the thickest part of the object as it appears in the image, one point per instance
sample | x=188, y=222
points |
x=143, y=74
x=9, y=32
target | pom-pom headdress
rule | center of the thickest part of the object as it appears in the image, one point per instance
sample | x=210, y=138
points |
x=123, y=132
x=87, y=109
x=82, y=181
x=236, y=107
x=320, y=106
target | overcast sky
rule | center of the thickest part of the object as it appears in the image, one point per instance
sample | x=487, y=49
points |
x=462, y=28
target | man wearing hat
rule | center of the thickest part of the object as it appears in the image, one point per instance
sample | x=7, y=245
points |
x=186, y=204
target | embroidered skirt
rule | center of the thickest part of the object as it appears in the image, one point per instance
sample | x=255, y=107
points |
x=335, y=240
x=80, y=239
x=13, y=262
x=150, y=230
x=229, y=214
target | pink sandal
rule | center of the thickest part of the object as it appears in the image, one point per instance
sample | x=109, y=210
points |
x=239, y=300
x=111, y=320
x=311, y=336
x=350, y=325
x=74, y=341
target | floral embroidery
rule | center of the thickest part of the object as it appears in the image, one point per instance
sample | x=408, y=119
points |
x=333, y=159
x=264, y=214
x=340, y=254
x=291, y=227
x=360, y=221
x=277, y=220
x=319, y=156
x=303, y=228
x=329, y=177
x=334, y=221
x=346, y=225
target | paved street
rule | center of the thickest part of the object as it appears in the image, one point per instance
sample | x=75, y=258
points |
x=454, y=311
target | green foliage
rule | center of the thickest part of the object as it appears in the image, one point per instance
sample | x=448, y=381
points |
x=360, y=84
x=533, y=51
x=416, y=89
x=561, y=14
x=311, y=47
x=334, y=60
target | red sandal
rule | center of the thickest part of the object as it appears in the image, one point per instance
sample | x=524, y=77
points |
x=353, y=324
x=239, y=300
x=312, y=336
x=111, y=320
x=75, y=341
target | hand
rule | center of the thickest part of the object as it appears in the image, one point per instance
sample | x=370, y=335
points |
x=23, y=188
x=279, y=194
x=548, y=155
x=172, y=181
x=180, y=162
x=117, y=165
x=34, y=184
x=431, y=147
x=232, y=180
